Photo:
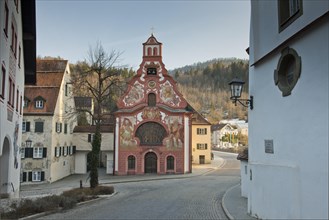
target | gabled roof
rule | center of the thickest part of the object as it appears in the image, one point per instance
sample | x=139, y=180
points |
x=218, y=127
x=49, y=79
x=152, y=41
x=197, y=118
x=49, y=94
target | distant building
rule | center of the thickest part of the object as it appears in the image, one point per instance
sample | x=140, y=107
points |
x=153, y=122
x=17, y=57
x=49, y=119
x=83, y=136
x=201, y=139
x=288, y=136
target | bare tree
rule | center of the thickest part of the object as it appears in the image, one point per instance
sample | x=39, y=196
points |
x=98, y=77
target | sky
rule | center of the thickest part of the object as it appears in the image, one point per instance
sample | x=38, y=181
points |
x=190, y=31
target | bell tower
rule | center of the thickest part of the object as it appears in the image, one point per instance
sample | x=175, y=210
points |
x=152, y=49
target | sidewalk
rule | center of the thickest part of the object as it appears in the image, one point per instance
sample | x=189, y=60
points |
x=233, y=204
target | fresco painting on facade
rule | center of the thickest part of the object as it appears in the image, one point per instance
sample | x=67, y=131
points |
x=135, y=94
x=168, y=95
x=127, y=133
x=16, y=147
x=175, y=127
x=151, y=113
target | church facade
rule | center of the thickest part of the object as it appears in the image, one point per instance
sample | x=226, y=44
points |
x=153, y=121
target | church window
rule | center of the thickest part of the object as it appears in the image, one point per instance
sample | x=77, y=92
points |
x=151, y=133
x=170, y=163
x=131, y=162
x=151, y=99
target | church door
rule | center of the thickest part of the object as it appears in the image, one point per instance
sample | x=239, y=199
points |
x=151, y=162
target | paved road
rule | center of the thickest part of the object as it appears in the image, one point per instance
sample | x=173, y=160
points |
x=197, y=197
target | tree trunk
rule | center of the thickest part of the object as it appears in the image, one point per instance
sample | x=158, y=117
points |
x=96, y=144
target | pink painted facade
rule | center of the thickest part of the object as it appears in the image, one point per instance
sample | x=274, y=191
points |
x=153, y=121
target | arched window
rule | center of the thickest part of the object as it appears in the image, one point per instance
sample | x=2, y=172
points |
x=131, y=162
x=149, y=51
x=170, y=163
x=155, y=51
x=151, y=133
x=151, y=99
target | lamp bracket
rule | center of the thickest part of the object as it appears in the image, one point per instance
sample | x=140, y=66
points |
x=245, y=102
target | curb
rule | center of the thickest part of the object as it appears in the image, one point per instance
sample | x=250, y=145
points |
x=227, y=213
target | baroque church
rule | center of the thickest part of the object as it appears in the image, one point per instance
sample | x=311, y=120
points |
x=153, y=121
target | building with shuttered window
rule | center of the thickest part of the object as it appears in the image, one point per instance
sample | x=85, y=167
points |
x=17, y=60
x=47, y=149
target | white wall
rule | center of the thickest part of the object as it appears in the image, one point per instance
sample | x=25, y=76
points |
x=293, y=181
x=81, y=162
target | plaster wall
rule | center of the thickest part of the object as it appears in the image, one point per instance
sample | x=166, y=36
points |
x=9, y=116
x=269, y=39
x=294, y=179
x=201, y=139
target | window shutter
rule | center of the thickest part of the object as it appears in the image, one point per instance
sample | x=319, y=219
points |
x=55, y=151
x=44, y=152
x=205, y=130
x=60, y=127
x=74, y=149
x=27, y=126
x=42, y=175
x=29, y=152
x=60, y=151
x=30, y=176
x=89, y=137
x=24, y=176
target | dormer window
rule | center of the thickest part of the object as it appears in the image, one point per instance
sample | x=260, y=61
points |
x=151, y=71
x=39, y=102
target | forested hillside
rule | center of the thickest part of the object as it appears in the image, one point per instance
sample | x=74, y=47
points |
x=205, y=86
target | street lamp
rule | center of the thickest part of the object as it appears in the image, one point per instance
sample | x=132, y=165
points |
x=236, y=90
x=28, y=142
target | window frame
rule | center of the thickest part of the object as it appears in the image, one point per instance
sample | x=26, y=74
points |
x=285, y=15
x=6, y=19
x=170, y=162
x=39, y=104
x=37, y=152
x=36, y=176
x=35, y=127
x=131, y=162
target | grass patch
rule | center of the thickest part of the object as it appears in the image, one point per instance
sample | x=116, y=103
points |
x=67, y=200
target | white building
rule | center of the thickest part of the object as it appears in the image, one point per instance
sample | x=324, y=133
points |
x=48, y=124
x=288, y=126
x=17, y=57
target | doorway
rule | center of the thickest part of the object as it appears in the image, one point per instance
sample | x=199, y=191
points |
x=151, y=162
x=202, y=159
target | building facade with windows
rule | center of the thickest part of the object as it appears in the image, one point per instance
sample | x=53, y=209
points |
x=47, y=147
x=201, y=139
x=17, y=21
x=153, y=121
x=288, y=126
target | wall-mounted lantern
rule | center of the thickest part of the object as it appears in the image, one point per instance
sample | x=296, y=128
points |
x=236, y=90
x=28, y=143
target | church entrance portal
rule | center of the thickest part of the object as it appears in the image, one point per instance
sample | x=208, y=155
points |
x=151, y=162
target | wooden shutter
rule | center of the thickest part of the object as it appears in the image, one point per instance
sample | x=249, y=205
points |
x=30, y=176
x=29, y=152
x=44, y=152
x=27, y=128
x=74, y=149
x=42, y=175
x=24, y=176
x=89, y=137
